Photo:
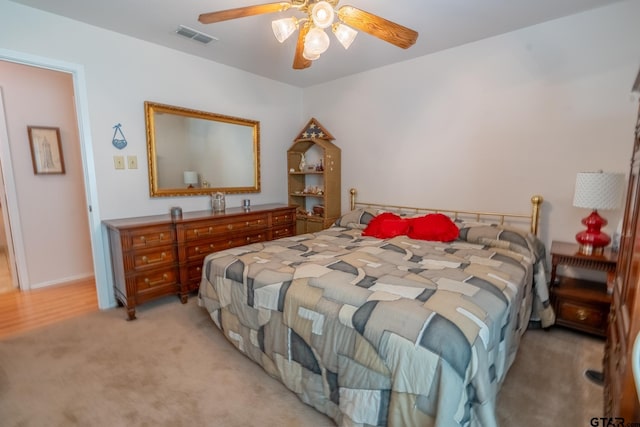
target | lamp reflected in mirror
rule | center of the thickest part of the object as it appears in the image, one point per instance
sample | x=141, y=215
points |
x=190, y=178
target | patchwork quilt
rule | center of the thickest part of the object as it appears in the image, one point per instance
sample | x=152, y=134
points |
x=376, y=332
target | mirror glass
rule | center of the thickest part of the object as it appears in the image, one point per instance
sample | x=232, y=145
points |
x=194, y=152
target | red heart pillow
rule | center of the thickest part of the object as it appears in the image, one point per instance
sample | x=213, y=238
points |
x=385, y=225
x=436, y=227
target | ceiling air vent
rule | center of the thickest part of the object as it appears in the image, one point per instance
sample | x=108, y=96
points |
x=196, y=35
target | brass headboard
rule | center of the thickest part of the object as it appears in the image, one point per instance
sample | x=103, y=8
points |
x=533, y=218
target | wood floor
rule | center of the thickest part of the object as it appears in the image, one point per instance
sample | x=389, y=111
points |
x=22, y=311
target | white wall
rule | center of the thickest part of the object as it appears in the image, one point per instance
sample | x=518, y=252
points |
x=487, y=125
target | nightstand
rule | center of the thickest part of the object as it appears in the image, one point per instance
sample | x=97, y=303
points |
x=581, y=304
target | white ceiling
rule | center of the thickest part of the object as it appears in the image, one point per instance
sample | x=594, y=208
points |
x=248, y=43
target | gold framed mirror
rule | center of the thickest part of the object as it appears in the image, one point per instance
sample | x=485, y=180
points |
x=193, y=152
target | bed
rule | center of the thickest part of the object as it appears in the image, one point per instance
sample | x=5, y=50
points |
x=393, y=331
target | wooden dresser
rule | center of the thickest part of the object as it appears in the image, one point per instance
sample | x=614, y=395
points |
x=620, y=394
x=154, y=256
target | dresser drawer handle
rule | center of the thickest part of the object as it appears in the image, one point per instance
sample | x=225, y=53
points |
x=581, y=314
x=165, y=276
x=146, y=259
x=161, y=236
x=143, y=239
x=230, y=226
x=197, y=232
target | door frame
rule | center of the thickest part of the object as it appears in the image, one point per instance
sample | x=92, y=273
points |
x=6, y=170
x=106, y=299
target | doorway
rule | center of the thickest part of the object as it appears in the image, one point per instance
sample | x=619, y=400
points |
x=87, y=175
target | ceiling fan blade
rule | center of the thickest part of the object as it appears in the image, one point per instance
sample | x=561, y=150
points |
x=241, y=12
x=299, y=61
x=379, y=27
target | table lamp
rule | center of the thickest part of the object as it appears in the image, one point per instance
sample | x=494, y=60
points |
x=596, y=190
x=190, y=178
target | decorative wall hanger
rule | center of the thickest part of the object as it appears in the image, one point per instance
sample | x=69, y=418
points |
x=121, y=142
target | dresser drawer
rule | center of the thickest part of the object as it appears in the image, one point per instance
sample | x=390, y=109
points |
x=284, y=231
x=157, y=257
x=283, y=218
x=160, y=278
x=204, y=229
x=198, y=250
x=149, y=237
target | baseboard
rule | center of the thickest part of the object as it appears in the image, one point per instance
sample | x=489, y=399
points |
x=64, y=281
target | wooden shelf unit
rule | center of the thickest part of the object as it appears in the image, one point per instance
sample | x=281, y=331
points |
x=311, y=187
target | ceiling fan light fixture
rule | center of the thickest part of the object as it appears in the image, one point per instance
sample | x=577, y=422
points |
x=322, y=14
x=316, y=42
x=344, y=34
x=309, y=56
x=283, y=28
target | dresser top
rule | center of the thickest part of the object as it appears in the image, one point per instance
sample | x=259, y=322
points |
x=191, y=216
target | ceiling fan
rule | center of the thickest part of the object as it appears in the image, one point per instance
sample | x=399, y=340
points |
x=312, y=39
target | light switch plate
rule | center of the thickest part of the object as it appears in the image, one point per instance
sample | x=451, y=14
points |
x=132, y=161
x=118, y=162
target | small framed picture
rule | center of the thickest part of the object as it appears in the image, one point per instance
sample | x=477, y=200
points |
x=46, y=151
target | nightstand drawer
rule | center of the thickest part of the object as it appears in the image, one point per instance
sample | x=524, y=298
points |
x=581, y=304
x=572, y=313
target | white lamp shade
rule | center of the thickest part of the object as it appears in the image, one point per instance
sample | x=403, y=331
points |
x=322, y=14
x=344, y=34
x=598, y=190
x=283, y=28
x=190, y=177
x=316, y=42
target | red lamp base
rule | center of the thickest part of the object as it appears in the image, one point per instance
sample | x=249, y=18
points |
x=593, y=241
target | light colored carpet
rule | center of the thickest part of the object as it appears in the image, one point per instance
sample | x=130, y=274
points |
x=173, y=367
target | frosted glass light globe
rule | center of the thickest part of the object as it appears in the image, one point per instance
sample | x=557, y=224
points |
x=316, y=42
x=322, y=14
